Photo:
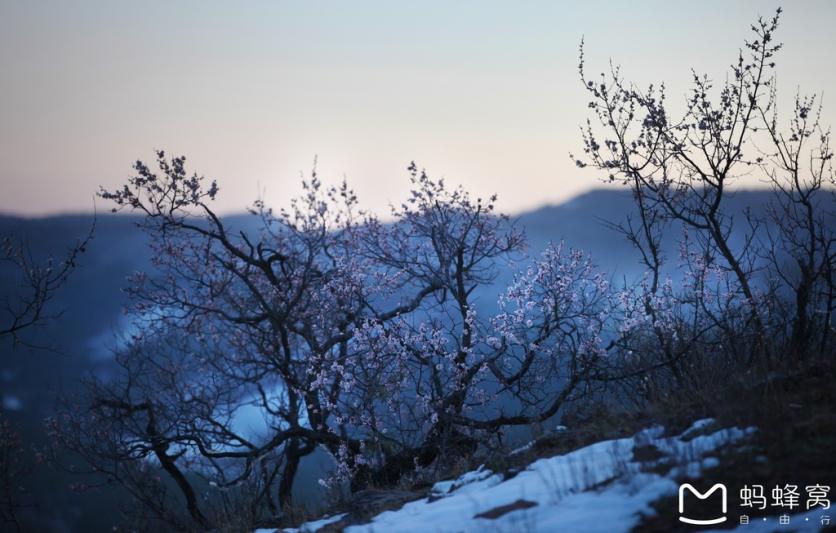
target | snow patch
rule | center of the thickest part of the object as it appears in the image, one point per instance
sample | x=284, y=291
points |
x=605, y=487
x=443, y=488
x=600, y=487
x=307, y=527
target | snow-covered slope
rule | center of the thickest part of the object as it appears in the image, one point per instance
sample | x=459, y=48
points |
x=599, y=488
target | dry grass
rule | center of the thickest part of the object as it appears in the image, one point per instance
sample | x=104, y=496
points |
x=795, y=413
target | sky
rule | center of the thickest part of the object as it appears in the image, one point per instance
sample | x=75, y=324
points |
x=485, y=94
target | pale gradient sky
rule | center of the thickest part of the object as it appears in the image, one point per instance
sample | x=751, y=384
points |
x=483, y=93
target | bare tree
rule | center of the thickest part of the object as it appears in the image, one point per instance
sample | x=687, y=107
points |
x=342, y=332
x=682, y=171
x=26, y=305
x=800, y=250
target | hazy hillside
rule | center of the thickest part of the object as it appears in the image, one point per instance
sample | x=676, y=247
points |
x=91, y=304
